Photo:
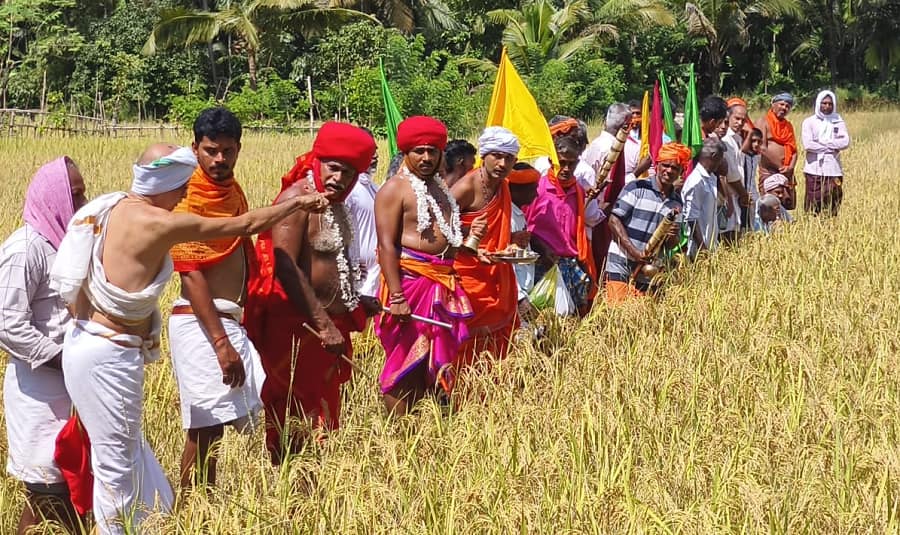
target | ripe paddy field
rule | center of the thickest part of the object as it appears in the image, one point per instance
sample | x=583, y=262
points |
x=761, y=394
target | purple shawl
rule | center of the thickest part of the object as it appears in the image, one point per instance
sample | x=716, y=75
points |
x=48, y=202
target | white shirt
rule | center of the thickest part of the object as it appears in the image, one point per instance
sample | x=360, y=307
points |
x=734, y=156
x=33, y=317
x=361, y=204
x=524, y=272
x=699, y=199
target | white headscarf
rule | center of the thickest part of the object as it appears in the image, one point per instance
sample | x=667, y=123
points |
x=165, y=174
x=826, y=129
x=498, y=139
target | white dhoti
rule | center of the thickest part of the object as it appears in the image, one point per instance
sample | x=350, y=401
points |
x=205, y=400
x=36, y=406
x=104, y=375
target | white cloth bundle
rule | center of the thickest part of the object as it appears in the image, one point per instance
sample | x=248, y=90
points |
x=165, y=174
x=498, y=139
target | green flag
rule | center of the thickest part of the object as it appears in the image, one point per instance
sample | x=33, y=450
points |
x=691, y=135
x=668, y=118
x=392, y=115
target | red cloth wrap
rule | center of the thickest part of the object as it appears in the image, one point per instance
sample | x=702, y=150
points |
x=346, y=143
x=421, y=130
x=73, y=458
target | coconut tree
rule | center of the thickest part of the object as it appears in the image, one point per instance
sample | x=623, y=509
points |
x=539, y=31
x=723, y=25
x=406, y=15
x=243, y=20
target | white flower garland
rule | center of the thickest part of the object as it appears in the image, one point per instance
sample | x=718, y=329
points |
x=332, y=237
x=429, y=211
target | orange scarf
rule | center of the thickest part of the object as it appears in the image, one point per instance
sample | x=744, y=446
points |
x=782, y=132
x=208, y=198
x=584, y=246
x=491, y=287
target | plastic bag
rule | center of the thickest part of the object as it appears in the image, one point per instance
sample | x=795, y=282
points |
x=551, y=292
x=543, y=295
x=565, y=305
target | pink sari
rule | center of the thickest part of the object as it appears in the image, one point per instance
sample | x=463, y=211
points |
x=432, y=290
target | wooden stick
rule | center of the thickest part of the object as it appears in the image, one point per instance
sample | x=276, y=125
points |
x=352, y=364
x=423, y=319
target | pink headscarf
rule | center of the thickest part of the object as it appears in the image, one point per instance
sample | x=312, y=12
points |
x=48, y=202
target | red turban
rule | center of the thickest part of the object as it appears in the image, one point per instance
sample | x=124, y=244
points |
x=528, y=175
x=345, y=143
x=421, y=131
x=675, y=152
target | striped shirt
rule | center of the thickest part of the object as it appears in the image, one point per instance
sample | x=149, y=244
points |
x=640, y=207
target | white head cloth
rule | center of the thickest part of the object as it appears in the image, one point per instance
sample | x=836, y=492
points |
x=165, y=174
x=826, y=130
x=498, y=139
x=774, y=181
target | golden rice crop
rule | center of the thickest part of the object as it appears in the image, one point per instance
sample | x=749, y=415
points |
x=760, y=395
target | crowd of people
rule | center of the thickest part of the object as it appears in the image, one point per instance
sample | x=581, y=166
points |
x=446, y=256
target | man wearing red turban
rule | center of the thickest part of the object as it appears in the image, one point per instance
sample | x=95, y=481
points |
x=419, y=231
x=304, y=302
x=640, y=209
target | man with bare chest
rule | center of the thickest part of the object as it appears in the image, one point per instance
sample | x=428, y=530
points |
x=778, y=152
x=304, y=302
x=112, y=266
x=217, y=368
x=483, y=195
x=419, y=231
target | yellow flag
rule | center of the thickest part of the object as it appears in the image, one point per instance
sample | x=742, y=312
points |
x=513, y=107
x=645, y=127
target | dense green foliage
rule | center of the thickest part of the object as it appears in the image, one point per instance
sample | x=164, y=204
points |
x=165, y=59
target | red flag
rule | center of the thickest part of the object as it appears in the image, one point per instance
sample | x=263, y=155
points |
x=656, y=124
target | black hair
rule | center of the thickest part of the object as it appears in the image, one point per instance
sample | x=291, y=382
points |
x=713, y=107
x=567, y=144
x=522, y=166
x=756, y=132
x=457, y=150
x=635, y=104
x=215, y=122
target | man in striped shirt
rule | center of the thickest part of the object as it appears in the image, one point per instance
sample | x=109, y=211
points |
x=640, y=209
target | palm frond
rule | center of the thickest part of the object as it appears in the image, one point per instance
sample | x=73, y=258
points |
x=775, y=8
x=570, y=49
x=503, y=16
x=310, y=22
x=478, y=65
x=697, y=23
x=602, y=29
x=182, y=27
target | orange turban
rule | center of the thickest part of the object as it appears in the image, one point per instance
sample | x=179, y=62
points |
x=529, y=175
x=564, y=127
x=675, y=152
x=419, y=131
x=736, y=101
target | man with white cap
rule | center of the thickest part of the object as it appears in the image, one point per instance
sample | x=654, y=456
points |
x=112, y=266
x=483, y=195
x=776, y=185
